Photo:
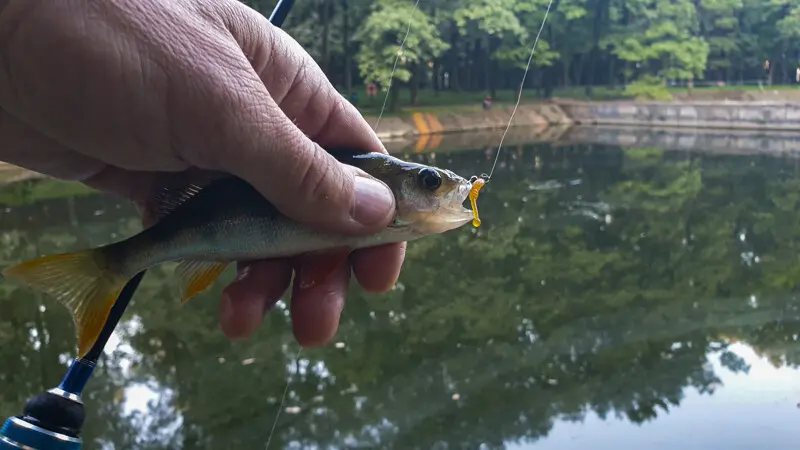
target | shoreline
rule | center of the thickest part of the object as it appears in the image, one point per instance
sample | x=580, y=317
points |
x=783, y=143
x=755, y=125
x=465, y=118
x=697, y=113
x=482, y=143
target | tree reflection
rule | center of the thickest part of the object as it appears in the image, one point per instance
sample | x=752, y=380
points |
x=599, y=282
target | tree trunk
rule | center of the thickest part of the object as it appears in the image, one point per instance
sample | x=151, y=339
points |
x=455, y=75
x=597, y=28
x=784, y=77
x=612, y=75
x=494, y=44
x=435, y=68
x=578, y=71
x=414, y=83
x=348, y=66
x=435, y=78
x=325, y=17
x=487, y=70
x=625, y=73
x=549, y=72
x=475, y=55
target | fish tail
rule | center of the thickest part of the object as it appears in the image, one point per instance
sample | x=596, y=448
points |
x=82, y=281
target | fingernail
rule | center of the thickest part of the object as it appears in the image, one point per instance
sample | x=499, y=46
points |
x=374, y=201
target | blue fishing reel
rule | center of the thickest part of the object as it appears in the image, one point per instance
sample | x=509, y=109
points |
x=53, y=420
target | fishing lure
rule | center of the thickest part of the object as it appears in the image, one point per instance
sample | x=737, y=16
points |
x=477, y=185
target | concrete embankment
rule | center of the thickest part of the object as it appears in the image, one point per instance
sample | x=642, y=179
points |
x=475, y=139
x=420, y=123
x=691, y=140
x=717, y=114
x=711, y=124
x=758, y=115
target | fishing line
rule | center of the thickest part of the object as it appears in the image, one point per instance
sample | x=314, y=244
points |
x=396, y=58
x=283, y=398
x=521, y=86
x=380, y=115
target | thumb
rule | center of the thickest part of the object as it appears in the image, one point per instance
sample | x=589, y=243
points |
x=308, y=184
x=265, y=146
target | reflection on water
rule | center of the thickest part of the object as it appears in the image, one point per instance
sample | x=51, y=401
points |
x=611, y=298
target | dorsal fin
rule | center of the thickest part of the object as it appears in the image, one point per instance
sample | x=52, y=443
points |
x=345, y=155
x=170, y=197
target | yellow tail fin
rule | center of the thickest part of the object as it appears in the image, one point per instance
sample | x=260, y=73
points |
x=81, y=281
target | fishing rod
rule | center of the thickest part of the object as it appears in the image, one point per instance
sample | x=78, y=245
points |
x=53, y=420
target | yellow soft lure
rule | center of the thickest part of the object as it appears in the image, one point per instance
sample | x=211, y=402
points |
x=477, y=185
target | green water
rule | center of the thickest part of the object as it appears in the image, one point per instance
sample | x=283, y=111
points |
x=612, y=299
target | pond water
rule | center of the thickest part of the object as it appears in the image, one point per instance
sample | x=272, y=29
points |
x=613, y=298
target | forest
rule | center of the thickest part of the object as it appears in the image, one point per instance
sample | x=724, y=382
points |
x=484, y=45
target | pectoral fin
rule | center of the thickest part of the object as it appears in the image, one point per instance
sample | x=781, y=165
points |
x=197, y=276
x=314, y=268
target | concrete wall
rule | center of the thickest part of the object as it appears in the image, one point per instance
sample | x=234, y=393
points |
x=421, y=123
x=766, y=115
x=715, y=114
x=710, y=124
x=741, y=142
x=485, y=139
x=732, y=142
x=693, y=140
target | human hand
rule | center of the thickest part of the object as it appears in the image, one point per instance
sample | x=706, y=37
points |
x=122, y=95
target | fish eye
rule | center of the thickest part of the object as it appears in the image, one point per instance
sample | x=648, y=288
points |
x=429, y=179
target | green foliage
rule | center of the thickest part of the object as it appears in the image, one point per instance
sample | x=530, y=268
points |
x=381, y=35
x=482, y=45
x=662, y=39
x=648, y=87
x=490, y=18
x=719, y=19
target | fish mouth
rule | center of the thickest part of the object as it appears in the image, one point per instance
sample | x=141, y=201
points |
x=452, y=208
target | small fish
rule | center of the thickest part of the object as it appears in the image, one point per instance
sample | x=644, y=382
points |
x=208, y=227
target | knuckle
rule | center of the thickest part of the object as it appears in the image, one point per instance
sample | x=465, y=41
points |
x=320, y=181
x=297, y=84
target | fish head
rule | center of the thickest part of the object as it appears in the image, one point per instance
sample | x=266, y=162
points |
x=429, y=200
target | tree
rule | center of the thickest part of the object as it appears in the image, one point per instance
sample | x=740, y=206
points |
x=380, y=37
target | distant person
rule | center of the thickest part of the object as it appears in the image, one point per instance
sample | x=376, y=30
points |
x=487, y=103
x=354, y=98
x=138, y=94
x=797, y=75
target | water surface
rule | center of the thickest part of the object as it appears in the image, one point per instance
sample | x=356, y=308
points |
x=613, y=298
